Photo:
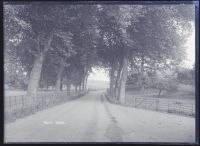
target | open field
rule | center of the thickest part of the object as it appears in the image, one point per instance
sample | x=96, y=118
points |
x=181, y=101
x=183, y=93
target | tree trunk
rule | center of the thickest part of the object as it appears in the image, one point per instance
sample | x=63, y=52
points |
x=83, y=84
x=68, y=87
x=76, y=89
x=142, y=73
x=123, y=80
x=59, y=82
x=37, y=66
x=86, y=78
x=59, y=77
x=117, y=82
x=35, y=74
x=142, y=84
x=160, y=90
x=79, y=88
x=111, y=85
x=68, y=76
x=61, y=85
x=112, y=71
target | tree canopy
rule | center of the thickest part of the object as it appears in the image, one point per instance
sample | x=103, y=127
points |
x=59, y=44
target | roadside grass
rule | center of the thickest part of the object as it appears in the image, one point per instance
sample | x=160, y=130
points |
x=181, y=101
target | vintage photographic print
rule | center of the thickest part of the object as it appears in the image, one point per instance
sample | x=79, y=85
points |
x=97, y=72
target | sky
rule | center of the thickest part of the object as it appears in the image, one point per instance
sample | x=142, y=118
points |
x=190, y=50
x=99, y=75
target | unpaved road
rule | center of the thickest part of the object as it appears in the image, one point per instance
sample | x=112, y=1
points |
x=92, y=118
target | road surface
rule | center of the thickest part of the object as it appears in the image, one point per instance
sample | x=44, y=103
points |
x=92, y=118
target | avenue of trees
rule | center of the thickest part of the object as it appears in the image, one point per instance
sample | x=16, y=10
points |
x=57, y=45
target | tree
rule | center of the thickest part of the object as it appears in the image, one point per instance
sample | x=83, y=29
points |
x=15, y=74
x=186, y=76
x=44, y=23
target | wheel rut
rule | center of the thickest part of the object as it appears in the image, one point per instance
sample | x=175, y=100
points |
x=91, y=132
x=113, y=131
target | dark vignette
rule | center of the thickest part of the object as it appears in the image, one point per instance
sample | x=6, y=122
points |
x=154, y=2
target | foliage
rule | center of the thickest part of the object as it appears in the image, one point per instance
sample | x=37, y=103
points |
x=76, y=38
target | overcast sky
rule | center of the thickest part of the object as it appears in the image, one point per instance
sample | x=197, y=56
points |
x=190, y=50
x=99, y=75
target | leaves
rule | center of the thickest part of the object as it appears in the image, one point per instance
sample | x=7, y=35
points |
x=96, y=35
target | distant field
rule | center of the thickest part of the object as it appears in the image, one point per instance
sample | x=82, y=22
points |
x=98, y=85
x=185, y=93
x=14, y=93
